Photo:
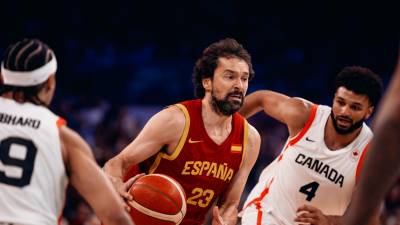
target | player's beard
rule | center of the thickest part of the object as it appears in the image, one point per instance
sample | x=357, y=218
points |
x=348, y=130
x=226, y=106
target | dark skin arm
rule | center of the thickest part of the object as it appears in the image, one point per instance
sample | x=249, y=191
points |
x=90, y=181
x=382, y=162
x=291, y=111
x=314, y=216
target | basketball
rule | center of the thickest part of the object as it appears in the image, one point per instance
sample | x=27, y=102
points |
x=158, y=200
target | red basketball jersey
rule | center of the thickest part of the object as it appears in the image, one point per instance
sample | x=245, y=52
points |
x=202, y=167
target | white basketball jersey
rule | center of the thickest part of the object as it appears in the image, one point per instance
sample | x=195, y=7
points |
x=307, y=172
x=32, y=172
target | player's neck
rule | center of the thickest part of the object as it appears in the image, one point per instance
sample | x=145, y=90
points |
x=334, y=140
x=210, y=116
x=18, y=97
x=217, y=126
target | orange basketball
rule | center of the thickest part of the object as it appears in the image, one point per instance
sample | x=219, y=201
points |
x=158, y=199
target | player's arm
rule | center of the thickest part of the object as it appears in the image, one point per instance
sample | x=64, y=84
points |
x=291, y=111
x=229, y=202
x=86, y=176
x=162, y=129
x=381, y=166
x=312, y=215
x=339, y=220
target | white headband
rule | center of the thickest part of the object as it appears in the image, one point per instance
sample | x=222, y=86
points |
x=29, y=78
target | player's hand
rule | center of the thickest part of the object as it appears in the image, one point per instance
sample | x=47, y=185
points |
x=307, y=214
x=217, y=218
x=123, y=190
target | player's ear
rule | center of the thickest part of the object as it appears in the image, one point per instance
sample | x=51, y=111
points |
x=207, y=84
x=369, y=112
x=51, y=83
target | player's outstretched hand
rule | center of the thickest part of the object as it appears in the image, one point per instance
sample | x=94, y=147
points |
x=307, y=214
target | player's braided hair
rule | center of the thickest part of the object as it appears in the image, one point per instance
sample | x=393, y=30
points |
x=26, y=55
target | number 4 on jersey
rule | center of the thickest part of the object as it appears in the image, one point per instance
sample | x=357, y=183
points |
x=309, y=190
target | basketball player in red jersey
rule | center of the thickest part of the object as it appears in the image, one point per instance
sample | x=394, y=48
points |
x=382, y=161
x=204, y=143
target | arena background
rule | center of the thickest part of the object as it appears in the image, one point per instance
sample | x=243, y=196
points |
x=122, y=61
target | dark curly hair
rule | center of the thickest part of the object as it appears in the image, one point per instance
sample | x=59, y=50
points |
x=361, y=81
x=208, y=62
x=26, y=55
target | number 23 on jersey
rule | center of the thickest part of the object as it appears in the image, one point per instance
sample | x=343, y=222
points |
x=200, y=197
